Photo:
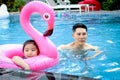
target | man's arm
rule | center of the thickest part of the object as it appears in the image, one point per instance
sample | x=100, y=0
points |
x=97, y=52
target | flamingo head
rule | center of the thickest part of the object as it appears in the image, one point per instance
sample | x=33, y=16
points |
x=48, y=15
x=46, y=12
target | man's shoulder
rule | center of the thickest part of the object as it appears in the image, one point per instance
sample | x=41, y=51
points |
x=64, y=46
x=89, y=46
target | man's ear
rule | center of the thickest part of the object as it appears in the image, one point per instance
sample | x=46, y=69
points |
x=72, y=34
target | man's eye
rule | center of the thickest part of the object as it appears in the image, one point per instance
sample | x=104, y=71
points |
x=78, y=33
x=84, y=33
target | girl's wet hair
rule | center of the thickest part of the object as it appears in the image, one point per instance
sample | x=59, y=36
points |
x=30, y=42
x=79, y=25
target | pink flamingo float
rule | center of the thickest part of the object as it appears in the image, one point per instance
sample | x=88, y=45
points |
x=48, y=52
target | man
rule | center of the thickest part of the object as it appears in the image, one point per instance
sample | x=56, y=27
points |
x=79, y=45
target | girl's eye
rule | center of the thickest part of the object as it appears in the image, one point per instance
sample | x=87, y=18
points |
x=26, y=50
x=33, y=50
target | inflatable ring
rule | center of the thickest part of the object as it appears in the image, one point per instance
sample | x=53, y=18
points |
x=48, y=56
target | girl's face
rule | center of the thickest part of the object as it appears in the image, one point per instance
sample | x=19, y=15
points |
x=30, y=50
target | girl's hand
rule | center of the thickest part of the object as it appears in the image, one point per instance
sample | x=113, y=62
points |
x=26, y=67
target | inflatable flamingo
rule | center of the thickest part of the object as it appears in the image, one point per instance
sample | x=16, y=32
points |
x=48, y=56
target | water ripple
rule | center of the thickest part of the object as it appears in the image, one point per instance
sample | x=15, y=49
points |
x=112, y=70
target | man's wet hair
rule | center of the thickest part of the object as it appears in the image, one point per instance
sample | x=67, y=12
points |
x=79, y=25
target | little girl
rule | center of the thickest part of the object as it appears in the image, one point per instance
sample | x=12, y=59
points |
x=30, y=49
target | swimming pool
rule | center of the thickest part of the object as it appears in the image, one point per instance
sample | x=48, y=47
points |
x=103, y=31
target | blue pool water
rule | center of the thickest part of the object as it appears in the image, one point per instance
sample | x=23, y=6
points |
x=103, y=31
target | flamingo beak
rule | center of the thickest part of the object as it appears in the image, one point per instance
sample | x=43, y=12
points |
x=48, y=32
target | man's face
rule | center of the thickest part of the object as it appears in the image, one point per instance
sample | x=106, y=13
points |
x=80, y=36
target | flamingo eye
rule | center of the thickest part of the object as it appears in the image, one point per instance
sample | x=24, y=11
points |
x=46, y=16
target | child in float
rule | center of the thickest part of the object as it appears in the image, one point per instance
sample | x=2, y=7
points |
x=30, y=49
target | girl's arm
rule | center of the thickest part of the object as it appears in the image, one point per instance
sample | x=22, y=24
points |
x=20, y=62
